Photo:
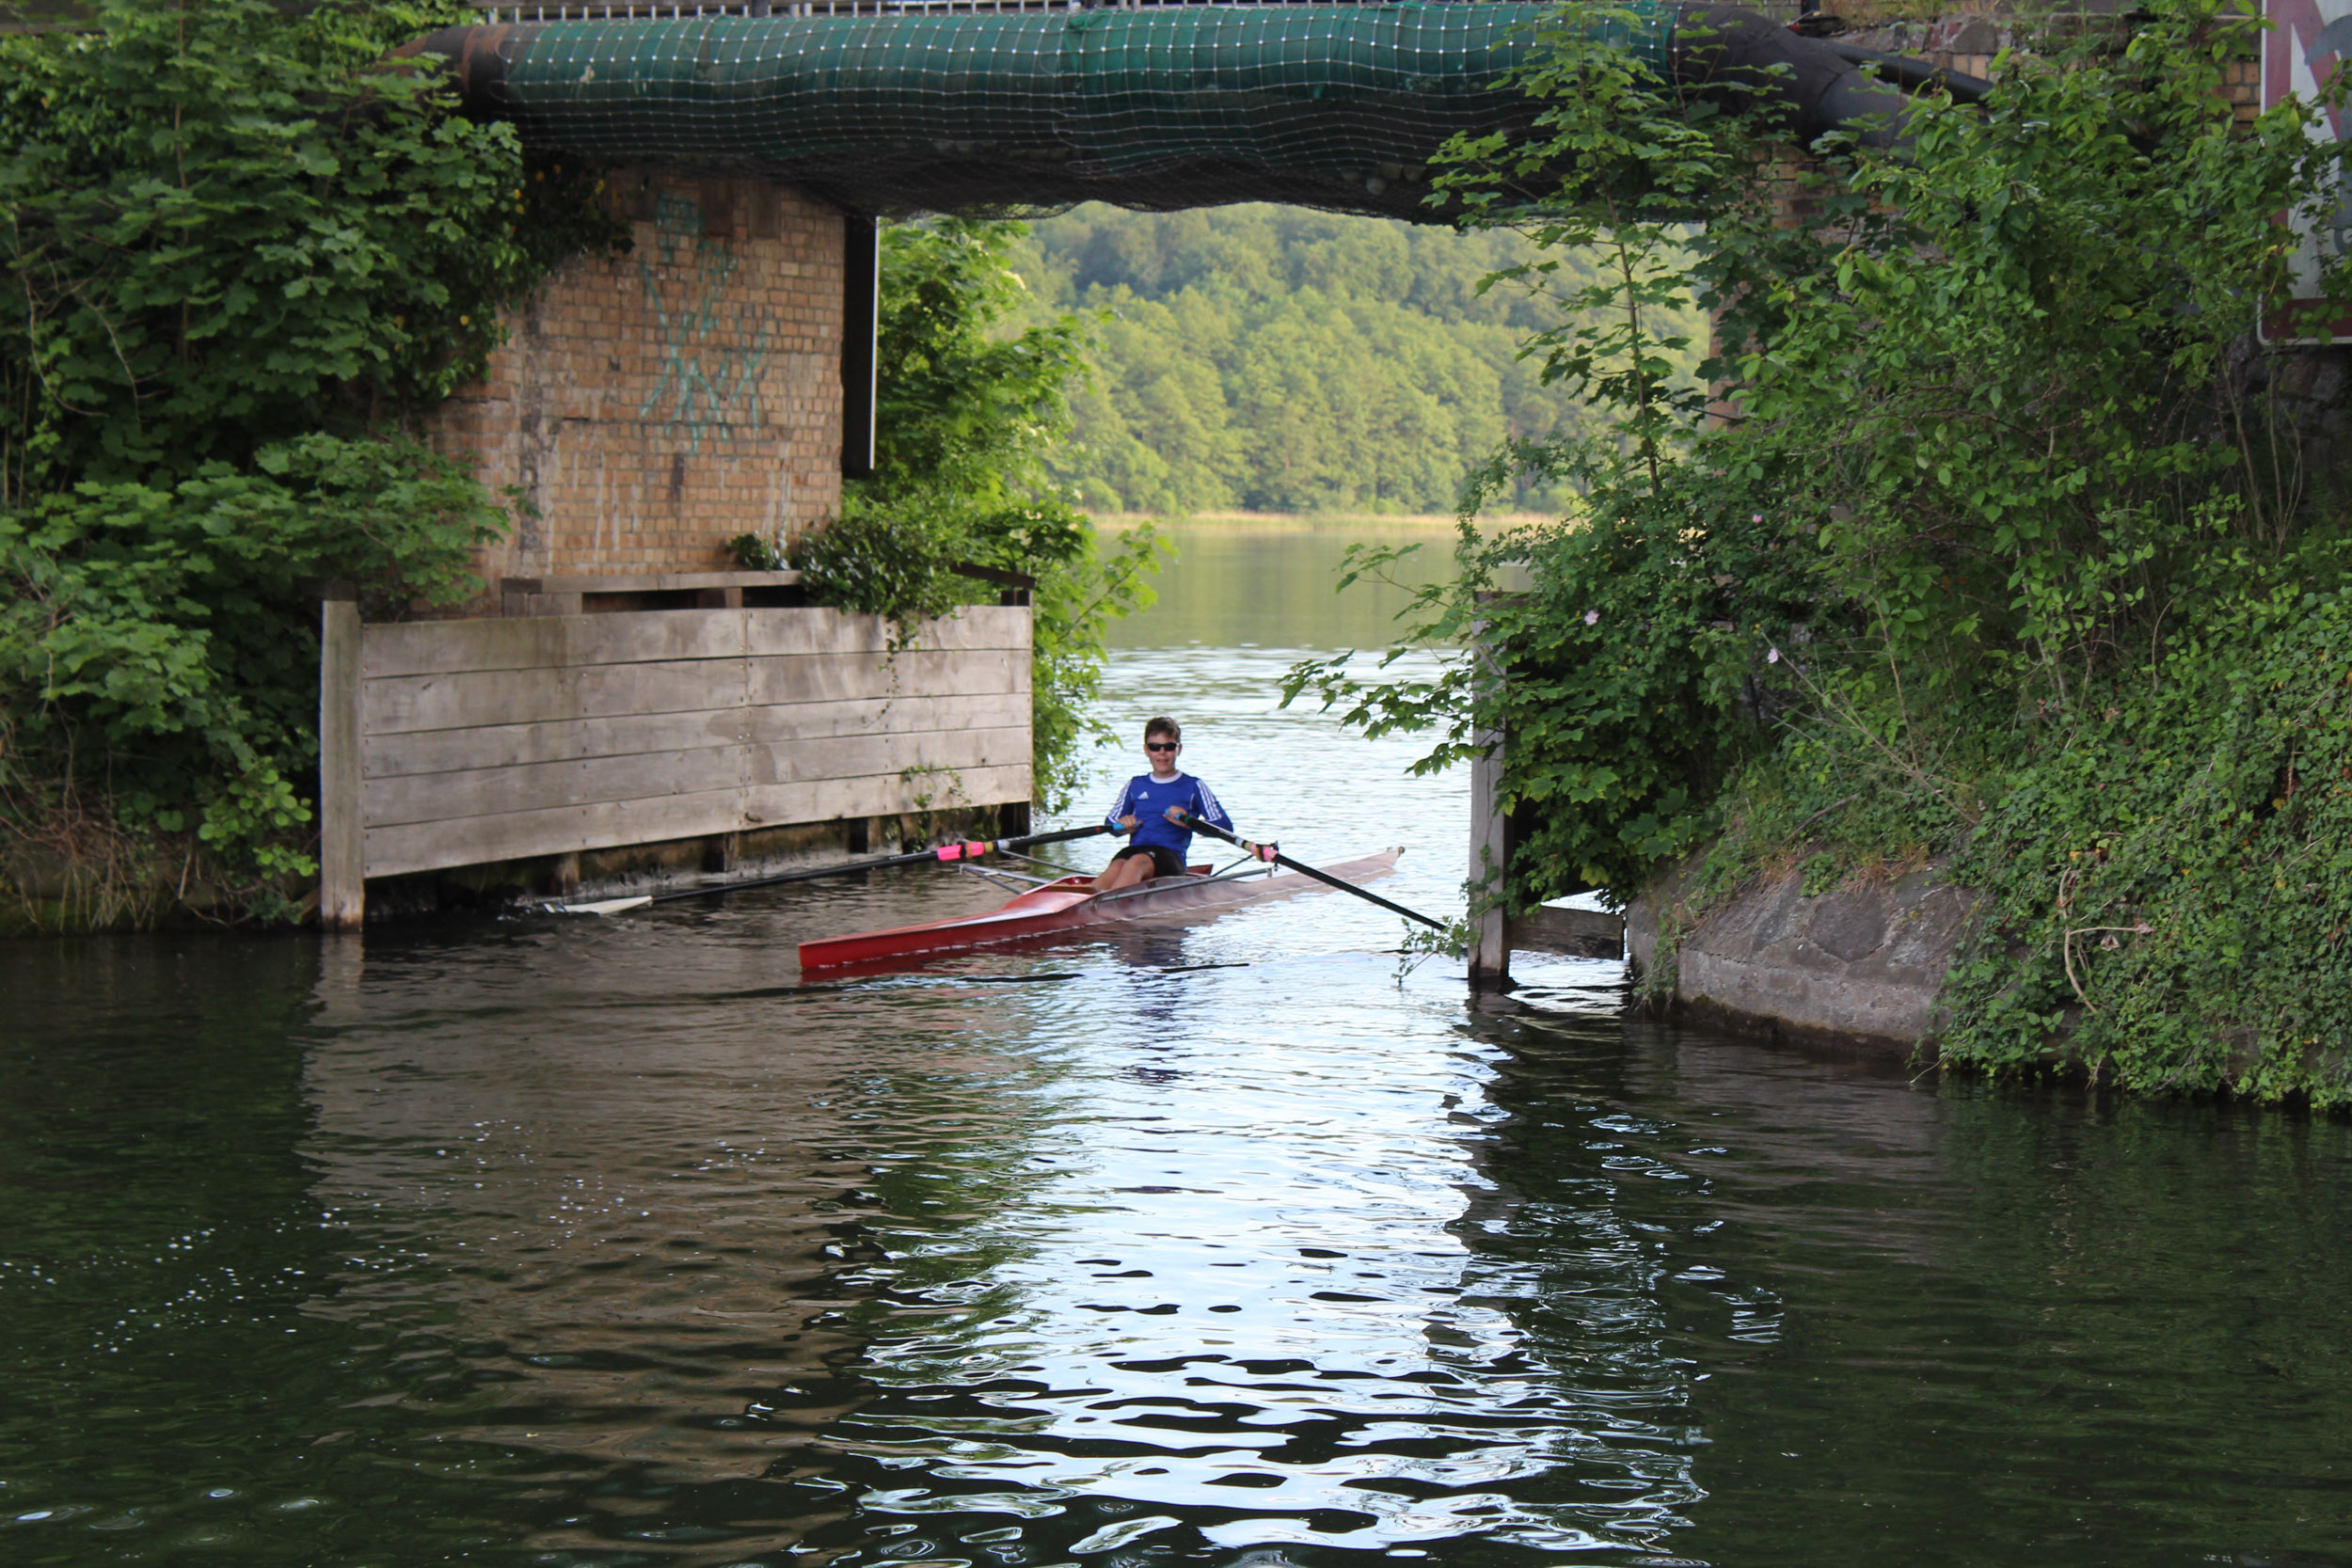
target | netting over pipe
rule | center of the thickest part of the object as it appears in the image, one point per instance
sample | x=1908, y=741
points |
x=1333, y=107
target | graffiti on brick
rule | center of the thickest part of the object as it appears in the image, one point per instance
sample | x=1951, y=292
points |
x=711, y=351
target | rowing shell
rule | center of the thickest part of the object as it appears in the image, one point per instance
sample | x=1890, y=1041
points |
x=1070, y=904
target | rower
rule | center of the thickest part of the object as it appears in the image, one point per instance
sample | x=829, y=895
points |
x=1150, y=810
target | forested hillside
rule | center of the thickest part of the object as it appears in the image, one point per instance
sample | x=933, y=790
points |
x=1272, y=358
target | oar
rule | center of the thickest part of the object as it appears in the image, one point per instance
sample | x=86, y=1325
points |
x=971, y=850
x=1185, y=819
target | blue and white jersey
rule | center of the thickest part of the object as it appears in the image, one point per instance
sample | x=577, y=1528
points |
x=1147, y=800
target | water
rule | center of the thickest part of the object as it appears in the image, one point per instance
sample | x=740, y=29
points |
x=551, y=1243
x=1238, y=585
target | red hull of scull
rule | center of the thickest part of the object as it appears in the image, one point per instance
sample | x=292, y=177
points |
x=1068, y=905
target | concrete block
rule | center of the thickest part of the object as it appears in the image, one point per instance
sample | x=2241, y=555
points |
x=1863, y=965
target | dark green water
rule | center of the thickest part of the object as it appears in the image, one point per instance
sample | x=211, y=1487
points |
x=605, y=1241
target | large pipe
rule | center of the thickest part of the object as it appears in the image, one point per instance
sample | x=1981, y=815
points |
x=1339, y=106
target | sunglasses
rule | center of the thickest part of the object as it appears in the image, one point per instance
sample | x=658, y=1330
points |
x=1159, y=745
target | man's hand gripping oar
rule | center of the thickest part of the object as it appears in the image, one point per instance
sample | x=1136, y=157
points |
x=1268, y=852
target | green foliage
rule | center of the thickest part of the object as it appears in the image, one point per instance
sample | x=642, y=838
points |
x=2007, y=558
x=228, y=226
x=2024, y=326
x=1638, y=666
x=1271, y=358
x=753, y=553
x=166, y=635
x=243, y=248
x=1634, y=657
x=966, y=413
x=2170, y=883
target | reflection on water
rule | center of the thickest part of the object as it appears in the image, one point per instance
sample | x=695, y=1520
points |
x=1237, y=584
x=606, y=1242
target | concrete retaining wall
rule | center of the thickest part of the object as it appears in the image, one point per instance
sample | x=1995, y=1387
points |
x=1862, y=965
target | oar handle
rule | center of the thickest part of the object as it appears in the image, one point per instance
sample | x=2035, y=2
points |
x=1185, y=819
x=1063, y=836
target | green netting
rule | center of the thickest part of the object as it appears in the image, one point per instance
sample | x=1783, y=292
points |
x=1334, y=106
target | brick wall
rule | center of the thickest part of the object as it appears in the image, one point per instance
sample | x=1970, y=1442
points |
x=655, y=405
x=1974, y=34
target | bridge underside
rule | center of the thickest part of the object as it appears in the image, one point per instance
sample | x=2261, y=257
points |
x=1337, y=106
x=717, y=380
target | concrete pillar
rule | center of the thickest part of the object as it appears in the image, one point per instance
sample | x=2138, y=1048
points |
x=861, y=328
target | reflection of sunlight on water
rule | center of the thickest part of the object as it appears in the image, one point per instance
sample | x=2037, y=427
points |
x=1243, y=1320
x=1248, y=1302
x=1162, y=1246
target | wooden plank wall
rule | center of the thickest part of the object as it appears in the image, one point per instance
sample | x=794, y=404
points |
x=501, y=738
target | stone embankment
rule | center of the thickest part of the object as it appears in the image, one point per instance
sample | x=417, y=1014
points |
x=1861, y=966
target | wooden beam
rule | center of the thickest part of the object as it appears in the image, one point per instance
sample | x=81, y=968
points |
x=423, y=751
x=1489, y=852
x=342, y=840
x=635, y=636
x=470, y=698
x=602, y=824
x=650, y=582
x=1490, y=825
x=400, y=799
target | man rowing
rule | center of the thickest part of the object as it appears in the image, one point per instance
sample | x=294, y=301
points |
x=1152, y=809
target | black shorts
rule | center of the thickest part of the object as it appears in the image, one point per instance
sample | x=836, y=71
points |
x=1165, y=862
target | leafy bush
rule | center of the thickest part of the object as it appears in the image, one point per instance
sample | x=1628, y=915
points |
x=965, y=417
x=1633, y=660
x=2170, y=883
x=243, y=248
x=165, y=634
x=2005, y=553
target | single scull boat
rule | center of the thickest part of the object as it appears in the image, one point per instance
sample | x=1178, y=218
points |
x=1070, y=903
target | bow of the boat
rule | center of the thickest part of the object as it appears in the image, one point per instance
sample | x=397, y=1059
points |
x=1039, y=908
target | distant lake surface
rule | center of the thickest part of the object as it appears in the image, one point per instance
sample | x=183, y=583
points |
x=1239, y=583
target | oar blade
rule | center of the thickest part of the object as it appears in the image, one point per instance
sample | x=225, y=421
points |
x=603, y=906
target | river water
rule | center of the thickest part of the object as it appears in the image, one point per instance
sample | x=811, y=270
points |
x=564, y=1241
